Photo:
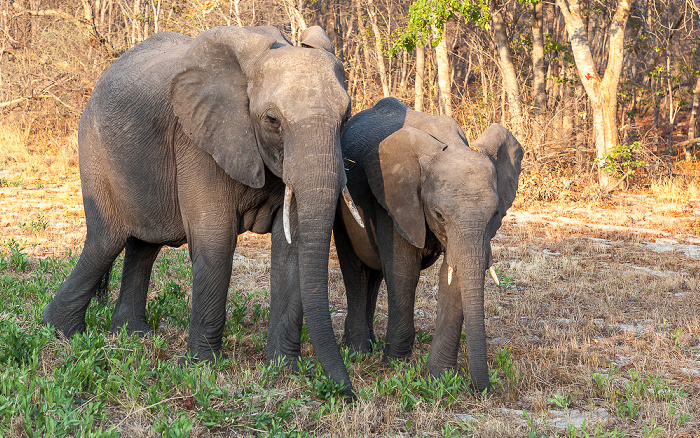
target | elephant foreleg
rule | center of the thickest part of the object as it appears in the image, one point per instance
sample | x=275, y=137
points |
x=401, y=263
x=286, y=313
x=361, y=288
x=212, y=260
x=448, y=326
x=130, y=310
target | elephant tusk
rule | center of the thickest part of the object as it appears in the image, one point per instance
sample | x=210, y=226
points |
x=351, y=206
x=285, y=213
x=450, y=271
x=492, y=271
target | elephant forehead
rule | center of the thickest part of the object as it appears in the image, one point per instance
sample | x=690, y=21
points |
x=293, y=77
x=289, y=64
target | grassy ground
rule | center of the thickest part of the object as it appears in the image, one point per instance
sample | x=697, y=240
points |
x=594, y=331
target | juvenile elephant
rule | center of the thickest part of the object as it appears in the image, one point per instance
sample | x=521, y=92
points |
x=421, y=192
x=198, y=140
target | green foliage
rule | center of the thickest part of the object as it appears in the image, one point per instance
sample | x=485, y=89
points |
x=410, y=387
x=178, y=427
x=17, y=258
x=504, y=363
x=428, y=17
x=171, y=305
x=560, y=401
x=38, y=224
x=620, y=160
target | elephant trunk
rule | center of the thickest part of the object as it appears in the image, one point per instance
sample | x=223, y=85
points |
x=469, y=262
x=317, y=181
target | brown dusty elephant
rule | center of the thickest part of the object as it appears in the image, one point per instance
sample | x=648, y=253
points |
x=421, y=192
x=196, y=140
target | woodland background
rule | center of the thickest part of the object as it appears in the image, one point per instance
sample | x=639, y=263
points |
x=482, y=62
x=593, y=331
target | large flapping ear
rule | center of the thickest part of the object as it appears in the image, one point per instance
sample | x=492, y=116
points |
x=209, y=96
x=507, y=154
x=316, y=38
x=393, y=172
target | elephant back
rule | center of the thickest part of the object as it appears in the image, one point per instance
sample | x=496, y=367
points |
x=365, y=130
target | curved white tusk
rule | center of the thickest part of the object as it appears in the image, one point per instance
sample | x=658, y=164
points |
x=492, y=271
x=351, y=206
x=450, y=271
x=285, y=213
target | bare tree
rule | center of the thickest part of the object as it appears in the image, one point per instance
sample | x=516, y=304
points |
x=509, y=76
x=602, y=92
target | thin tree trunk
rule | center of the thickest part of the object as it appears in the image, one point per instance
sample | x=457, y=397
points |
x=693, y=122
x=602, y=92
x=379, y=52
x=420, y=78
x=368, y=73
x=443, y=65
x=538, y=82
x=135, y=27
x=510, y=80
x=404, y=71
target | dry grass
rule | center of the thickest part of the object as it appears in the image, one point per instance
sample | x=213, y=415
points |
x=588, y=289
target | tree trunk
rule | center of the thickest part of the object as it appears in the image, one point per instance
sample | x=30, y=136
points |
x=420, y=78
x=372, y=11
x=368, y=73
x=539, y=96
x=510, y=79
x=693, y=124
x=443, y=66
x=135, y=26
x=602, y=92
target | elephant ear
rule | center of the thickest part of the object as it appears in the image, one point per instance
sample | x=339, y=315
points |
x=210, y=99
x=507, y=154
x=316, y=38
x=393, y=172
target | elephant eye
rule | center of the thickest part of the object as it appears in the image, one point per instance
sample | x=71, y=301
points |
x=439, y=215
x=272, y=120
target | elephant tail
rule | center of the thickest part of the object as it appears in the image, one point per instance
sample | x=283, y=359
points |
x=102, y=291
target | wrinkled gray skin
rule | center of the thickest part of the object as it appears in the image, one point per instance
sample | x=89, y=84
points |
x=421, y=192
x=193, y=140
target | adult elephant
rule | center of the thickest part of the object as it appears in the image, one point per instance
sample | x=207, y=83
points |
x=421, y=192
x=197, y=140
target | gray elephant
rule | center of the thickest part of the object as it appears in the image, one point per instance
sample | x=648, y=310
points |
x=422, y=191
x=198, y=140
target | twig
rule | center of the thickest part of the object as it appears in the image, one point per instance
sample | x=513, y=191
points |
x=154, y=405
x=59, y=100
x=687, y=142
x=12, y=102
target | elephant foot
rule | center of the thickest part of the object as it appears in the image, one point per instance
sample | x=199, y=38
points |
x=289, y=361
x=359, y=347
x=69, y=323
x=139, y=328
x=193, y=358
x=133, y=325
x=392, y=354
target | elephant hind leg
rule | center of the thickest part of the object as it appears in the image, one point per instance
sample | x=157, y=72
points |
x=66, y=312
x=130, y=310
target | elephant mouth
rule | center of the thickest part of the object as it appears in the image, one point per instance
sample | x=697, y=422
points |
x=491, y=271
x=289, y=193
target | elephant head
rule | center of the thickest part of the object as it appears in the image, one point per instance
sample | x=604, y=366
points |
x=252, y=100
x=462, y=194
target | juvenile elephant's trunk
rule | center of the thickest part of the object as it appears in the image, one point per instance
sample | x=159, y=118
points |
x=317, y=181
x=468, y=257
